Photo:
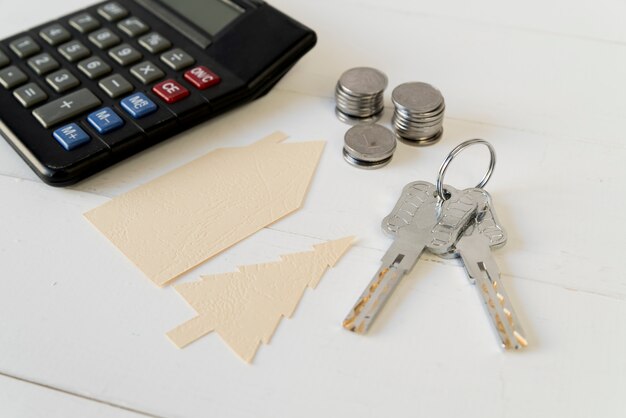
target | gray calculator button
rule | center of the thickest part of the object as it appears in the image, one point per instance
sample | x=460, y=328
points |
x=30, y=94
x=154, y=42
x=84, y=23
x=112, y=11
x=4, y=60
x=24, y=47
x=146, y=72
x=55, y=34
x=104, y=39
x=94, y=67
x=43, y=64
x=74, y=51
x=115, y=86
x=125, y=54
x=133, y=27
x=12, y=77
x=62, y=80
x=177, y=59
x=66, y=107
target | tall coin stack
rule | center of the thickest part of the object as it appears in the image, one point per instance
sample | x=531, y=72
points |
x=418, y=116
x=359, y=95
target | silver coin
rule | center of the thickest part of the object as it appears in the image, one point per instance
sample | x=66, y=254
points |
x=369, y=142
x=353, y=120
x=363, y=81
x=417, y=97
x=367, y=165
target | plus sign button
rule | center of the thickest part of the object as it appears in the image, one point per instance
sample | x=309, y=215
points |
x=170, y=91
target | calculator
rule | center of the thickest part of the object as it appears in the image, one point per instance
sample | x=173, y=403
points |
x=89, y=89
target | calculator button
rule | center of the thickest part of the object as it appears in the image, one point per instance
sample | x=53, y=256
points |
x=112, y=11
x=115, y=85
x=133, y=27
x=43, y=64
x=4, y=60
x=24, y=47
x=201, y=77
x=12, y=77
x=170, y=91
x=30, y=94
x=74, y=51
x=138, y=105
x=62, y=80
x=71, y=136
x=94, y=67
x=154, y=42
x=177, y=59
x=55, y=34
x=84, y=23
x=146, y=72
x=125, y=54
x=104, y=39
x=105, y=120
x=66, y=107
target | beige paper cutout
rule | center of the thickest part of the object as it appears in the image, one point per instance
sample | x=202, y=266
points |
x=175, y=222
x=245, y=307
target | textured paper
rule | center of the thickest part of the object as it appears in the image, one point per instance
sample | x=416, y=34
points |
x=177, y=221
x=245, y=307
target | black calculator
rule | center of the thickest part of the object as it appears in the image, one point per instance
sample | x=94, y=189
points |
x=87, y=90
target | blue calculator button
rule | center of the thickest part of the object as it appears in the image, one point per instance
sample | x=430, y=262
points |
x=105, y=120
x=138, y=105
x=71, y=136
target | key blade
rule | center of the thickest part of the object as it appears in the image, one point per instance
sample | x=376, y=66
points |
x=397, y=261
x=484, y=273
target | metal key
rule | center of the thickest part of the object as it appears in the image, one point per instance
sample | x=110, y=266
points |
x=474, y=248
x=415, y=223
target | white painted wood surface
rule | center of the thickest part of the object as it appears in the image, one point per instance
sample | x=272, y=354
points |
x=544, y=82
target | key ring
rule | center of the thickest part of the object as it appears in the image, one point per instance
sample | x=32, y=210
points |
x=454, y=153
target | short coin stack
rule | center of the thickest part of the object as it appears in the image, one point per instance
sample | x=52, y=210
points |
x=418, y=116
x=359, y=95
x=369, y=145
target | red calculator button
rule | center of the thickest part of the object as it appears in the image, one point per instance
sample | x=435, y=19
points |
x=202, y=78
x=170, y=91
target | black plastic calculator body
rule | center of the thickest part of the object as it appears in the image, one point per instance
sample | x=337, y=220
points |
x=87, y=90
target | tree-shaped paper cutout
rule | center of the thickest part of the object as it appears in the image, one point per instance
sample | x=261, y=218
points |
x=245, y=307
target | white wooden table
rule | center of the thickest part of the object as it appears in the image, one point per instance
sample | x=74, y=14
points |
x=82, y=331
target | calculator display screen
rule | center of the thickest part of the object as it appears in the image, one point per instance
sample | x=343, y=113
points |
x=210, y=15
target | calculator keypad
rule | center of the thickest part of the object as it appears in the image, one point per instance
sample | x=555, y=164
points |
x=147, y=72
x=84, y=23
x=94, y=67
x=62, y=80
x=112, y=11
x=133, y=27
x=104, y=38
x=30, y=94
x=12, y=77
x=125, y=54
x=25, y=47
x=66, y=107
x=43, y=64
x=55, y=34
x=154, y=43
x=74, y=51
x=177, y=59
x=123, y=43
x=115, y=86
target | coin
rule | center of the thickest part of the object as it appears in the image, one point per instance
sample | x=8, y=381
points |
x=418, y=113
x=369, y=145
x=359, y=94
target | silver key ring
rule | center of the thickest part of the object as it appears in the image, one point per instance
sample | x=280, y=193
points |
x=454, y=153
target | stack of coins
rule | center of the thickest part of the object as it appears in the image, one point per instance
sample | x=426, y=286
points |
x=418, y=116
x=359, y=95
x=369, y=145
